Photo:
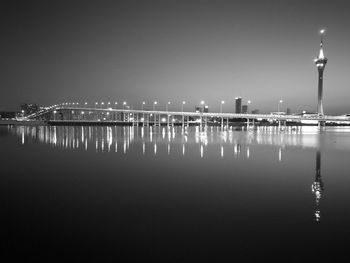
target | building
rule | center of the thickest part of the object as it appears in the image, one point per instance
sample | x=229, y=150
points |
x=238, y=104
x=245, y=109
x=29, y=108
x=255, y=111
x=320, y=62
x=202, y=109
x=289, y=112
x=8, y=114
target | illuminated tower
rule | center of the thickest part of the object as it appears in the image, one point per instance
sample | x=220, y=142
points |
x=320, y=62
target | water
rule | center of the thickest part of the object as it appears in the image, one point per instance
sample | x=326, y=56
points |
x=173, y=195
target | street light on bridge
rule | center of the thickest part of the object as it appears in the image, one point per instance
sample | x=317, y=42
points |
x=167, y=105
x=222, y=118
x=154, y=105
x=221, y=104
x=278, y=107
x=142, y=104
x=182, y=110
x=124, y=104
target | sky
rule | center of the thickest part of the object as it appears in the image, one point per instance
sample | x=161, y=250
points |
x=75, y=51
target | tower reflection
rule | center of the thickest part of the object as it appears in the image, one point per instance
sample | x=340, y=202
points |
x=317, y=187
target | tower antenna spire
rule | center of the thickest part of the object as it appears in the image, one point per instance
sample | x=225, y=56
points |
x=322, y=33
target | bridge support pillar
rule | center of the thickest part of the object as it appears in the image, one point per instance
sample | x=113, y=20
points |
x=321, y=124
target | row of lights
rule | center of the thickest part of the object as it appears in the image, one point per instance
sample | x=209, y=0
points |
x=155, y=103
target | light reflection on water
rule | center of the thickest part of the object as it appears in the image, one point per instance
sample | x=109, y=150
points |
x=244, y=161
x=109, y=139
x=226, y=142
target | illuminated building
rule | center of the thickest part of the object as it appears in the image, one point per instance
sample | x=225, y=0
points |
x=245, y=109
x=238, y=104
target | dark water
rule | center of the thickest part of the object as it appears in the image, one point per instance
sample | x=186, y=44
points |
x=173, y=195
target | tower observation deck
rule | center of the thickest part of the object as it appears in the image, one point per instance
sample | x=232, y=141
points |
x=320, y=62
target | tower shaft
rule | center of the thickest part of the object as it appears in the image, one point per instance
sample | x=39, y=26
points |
x=320, y=62
x=320, y=92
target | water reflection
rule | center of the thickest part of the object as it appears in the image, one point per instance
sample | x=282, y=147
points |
x=191, y=141
x=108, y=139
x=317, y=187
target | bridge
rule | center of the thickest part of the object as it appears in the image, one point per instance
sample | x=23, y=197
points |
x=62, y=114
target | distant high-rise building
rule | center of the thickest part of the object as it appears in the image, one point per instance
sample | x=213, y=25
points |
x=202, y=108
x=245, y=109
x=289, y=111
x=255, y=111
x=238, y=104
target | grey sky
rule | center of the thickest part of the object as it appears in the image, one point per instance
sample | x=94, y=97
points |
x=174, y=50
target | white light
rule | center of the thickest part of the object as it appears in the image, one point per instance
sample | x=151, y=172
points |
x=115, y=103
x=168, y=102
x=143, y=103
x=281, y=101
x=155, y=103
x=249, y=101
x=124, y=103
x=85, y=103
x=202, y=102
x=322, y=31
x=222, y=102
x=82, y=112
x=163, y=119
x=184, y=102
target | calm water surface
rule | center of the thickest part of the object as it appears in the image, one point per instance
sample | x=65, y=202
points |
x=174, y=195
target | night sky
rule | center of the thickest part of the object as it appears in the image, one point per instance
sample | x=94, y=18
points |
x=67, y=51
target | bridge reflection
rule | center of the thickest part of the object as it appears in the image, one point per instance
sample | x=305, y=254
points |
x=173, y=139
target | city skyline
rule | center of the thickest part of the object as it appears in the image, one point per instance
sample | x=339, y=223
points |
x=166, y=51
